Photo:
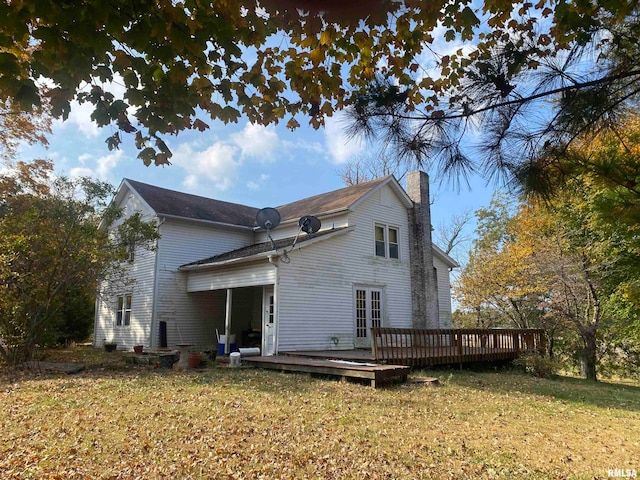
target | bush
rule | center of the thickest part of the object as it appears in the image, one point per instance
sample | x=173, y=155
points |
x=540, y=366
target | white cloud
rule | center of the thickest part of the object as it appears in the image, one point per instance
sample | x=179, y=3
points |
x=100, y=168
x=84, y=157
x=80, y=119
x=215, y=165
x=80, y=114
x=257, y=141
x=257, y=185
x=80, y=172
x=340, y=147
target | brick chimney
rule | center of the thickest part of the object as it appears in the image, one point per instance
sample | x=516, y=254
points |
x=424, y=292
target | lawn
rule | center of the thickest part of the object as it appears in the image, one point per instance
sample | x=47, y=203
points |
x=124, y=422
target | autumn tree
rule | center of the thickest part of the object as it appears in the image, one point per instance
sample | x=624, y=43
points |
x=499, y=284
x=180, y=64
x=558, y=264
x=18, y=126
x=52, y=253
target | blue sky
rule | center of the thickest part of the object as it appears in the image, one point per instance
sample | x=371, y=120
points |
x=242, y=163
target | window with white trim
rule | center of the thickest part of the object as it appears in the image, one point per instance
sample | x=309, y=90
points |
x=123, y=311
x=387, y=240
x=131, y=251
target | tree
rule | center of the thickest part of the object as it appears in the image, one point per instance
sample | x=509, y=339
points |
x=364, y=169
x=544, y=74
x=17, y=125
x=500, y=284
x=180, y=63
x=555, y=264
x=52, y=253
x=452, y=235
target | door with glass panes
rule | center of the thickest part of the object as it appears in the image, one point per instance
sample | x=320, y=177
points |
x=368, y=314
x=268, y=321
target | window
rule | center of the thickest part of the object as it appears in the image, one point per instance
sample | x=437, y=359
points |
x=123, y=313
x=130, y=249
x=387, y=242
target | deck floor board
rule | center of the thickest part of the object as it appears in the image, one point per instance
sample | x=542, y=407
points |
x=376, y=374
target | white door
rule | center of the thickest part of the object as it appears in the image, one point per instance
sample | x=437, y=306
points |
x=268, y=321
x=368, y=313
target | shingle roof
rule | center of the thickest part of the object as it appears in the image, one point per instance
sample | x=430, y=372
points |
x=328, y=202
x=185, y=205
x=262, y=247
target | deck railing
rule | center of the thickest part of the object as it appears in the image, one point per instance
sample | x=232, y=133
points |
x=423, y=347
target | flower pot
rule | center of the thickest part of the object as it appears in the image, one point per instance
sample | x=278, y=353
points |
x=110, y=347
x=194, y=360
x=138, y=348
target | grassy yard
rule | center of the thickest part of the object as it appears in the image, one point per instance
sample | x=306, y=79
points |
x=114, y=422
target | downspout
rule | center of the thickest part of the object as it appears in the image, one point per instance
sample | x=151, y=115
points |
x=154, y=307
x=95, y=316
x=273, y=260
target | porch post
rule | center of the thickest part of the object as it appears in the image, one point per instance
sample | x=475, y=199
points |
x=227, y=322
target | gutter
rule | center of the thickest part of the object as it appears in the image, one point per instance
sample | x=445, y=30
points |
x=208, y=222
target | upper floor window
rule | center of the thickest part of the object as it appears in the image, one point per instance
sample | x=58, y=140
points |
x=131, y=251
x=123, y=312
x=387, y=241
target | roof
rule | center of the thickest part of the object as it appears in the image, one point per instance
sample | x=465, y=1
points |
x=185, y=205
x=444, y=256
x=329, y=202
x=263, y=247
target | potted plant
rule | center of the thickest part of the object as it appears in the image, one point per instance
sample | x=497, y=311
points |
x=194, y=359
x=138, y=348
x=110, y=345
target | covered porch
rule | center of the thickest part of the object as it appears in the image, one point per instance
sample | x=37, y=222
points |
x=241, y=317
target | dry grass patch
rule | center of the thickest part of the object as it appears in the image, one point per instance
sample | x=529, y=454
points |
x=224, y=423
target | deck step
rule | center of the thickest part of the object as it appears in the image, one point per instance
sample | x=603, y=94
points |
x=376, y=374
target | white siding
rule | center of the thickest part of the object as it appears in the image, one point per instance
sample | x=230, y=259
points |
x=183, y=242
x=141, y=273
x=241, y=276
x=316, y=288
x=291, y=229
x=444, y=292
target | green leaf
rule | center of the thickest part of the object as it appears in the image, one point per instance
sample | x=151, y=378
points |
x=148, y=156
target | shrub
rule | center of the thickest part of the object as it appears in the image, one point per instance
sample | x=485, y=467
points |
x=540, y=366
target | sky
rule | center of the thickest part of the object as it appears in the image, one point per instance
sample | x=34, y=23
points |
x=241, y=163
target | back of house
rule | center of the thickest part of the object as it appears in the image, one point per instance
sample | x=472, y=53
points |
x=215, y=272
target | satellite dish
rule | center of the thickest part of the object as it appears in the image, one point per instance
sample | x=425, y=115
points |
x=309, y=224
x=268, y=218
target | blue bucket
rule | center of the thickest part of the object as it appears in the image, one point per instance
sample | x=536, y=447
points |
x=221, y=344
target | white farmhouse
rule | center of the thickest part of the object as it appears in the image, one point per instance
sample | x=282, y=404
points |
x=371, y=264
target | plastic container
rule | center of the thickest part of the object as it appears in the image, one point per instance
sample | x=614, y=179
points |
x=249, y=352
x=222, y=340
x=234, y=360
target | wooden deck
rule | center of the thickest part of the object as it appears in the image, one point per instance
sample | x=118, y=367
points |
x=426, y=347
x=376, y=374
